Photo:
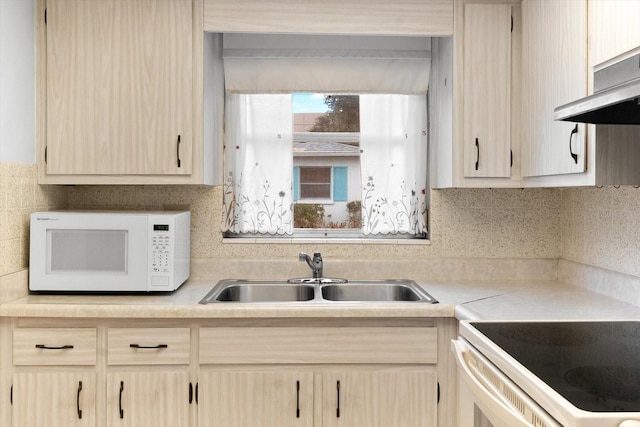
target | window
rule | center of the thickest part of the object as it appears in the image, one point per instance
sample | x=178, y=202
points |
x=315, y=183
x=359, y=165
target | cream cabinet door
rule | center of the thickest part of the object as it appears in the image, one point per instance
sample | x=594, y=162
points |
x=487, y=90
x=119, y=87
x=613, y=28
x=554, y=73
x=255, y=399
x=379, y=398
x=155, y=398
x=54, y=399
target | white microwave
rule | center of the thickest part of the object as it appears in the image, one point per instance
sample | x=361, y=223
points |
x=89, y=251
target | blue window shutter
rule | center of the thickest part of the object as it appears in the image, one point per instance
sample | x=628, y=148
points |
x=296, y=183
x=340, y=184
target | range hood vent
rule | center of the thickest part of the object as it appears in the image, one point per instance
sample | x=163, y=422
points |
x=616, y=97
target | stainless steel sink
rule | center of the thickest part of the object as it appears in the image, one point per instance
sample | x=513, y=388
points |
x=385, y=291
x=317, y=292
x=254, y=292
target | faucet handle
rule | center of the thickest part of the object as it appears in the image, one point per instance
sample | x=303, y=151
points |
x=302, y=256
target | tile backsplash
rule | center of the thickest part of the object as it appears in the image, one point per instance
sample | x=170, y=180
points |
x=601, y=227
x=594, y=226
x=19, y=196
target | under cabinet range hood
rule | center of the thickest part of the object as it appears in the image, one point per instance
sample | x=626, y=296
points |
x=616, y=97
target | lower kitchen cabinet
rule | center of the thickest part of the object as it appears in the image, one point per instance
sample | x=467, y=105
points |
x=360, y=374
x=54, y=380
x=357, y=397
x=148, y=377
x=227, y=373
x=54, y=399
x=158, y=399
x=255, y=399
x=379, y=398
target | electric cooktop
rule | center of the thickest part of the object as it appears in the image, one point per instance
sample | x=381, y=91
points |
x=594, y=365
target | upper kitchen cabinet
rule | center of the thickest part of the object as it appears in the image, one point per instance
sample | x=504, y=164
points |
x=613, y=29
x=375, y=17
x=119, y=87
x=554, y=73
x=474, y=105
x=487, y=90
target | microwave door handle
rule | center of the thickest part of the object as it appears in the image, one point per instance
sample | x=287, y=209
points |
x=484, y=394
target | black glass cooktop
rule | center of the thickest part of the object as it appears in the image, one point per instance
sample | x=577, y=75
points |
x=594, y=365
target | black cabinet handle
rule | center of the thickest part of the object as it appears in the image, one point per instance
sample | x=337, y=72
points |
x=297, y=399
x=574, y=156
x=78, y=400
x=338, y=395
x=120, y=399
x=477, y=154
x=178, y=150
x=148, y=346
x=47, y=347
x=190, y=393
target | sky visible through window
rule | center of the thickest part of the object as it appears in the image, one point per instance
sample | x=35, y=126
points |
x=309, y=103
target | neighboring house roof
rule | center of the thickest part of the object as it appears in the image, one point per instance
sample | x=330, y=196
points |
x=324, y=149
x=325, y=144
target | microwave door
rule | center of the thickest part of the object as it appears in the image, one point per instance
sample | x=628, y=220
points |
x=88, y=252
x=95, y=253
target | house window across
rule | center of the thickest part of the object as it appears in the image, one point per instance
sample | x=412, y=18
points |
x=315, y=183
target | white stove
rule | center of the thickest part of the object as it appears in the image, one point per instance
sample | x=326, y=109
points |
x=549, y=374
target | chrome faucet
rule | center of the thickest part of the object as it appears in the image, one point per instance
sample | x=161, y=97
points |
x=315, y=264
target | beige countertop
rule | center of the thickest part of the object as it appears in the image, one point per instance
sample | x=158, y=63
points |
x=508, y=300
x=545, y=300
x=183, y=303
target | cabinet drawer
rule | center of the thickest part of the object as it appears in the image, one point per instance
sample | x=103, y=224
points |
x=319, y=345
x=148, y=346
x=54, y=346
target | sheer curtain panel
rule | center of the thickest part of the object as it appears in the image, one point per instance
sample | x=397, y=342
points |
x=258, y=164
x=393, y=162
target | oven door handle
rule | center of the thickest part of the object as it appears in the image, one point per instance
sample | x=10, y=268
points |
x=487, y=395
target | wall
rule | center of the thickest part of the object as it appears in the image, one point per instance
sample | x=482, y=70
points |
x=20, y=195
x=17, y=82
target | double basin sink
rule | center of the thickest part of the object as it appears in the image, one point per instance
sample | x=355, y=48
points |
x=316, y=291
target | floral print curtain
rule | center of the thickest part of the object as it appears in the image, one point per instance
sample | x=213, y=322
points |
x=393, y=143
x=258, y=164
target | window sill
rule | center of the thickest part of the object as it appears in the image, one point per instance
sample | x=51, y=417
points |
x=320, y=240
x=315, y=202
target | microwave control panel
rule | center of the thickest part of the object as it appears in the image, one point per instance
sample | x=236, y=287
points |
x=160, y=248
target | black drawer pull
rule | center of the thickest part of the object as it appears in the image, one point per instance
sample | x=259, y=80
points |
x=178, y=151
x=574, y=156
x=78, y=400
x=297, y=399
x=148, y=346
x=47, y=347
x=120, y=400
x=338, y=392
